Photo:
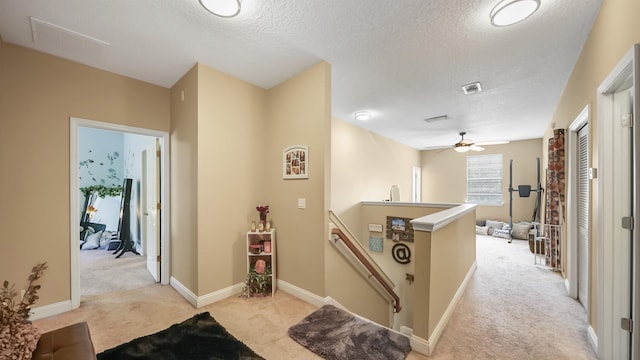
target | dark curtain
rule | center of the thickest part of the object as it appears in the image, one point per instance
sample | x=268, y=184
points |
x=555, y=196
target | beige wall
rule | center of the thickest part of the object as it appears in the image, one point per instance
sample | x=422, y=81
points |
x=377, y=214
x=299, y=113
x=364, y=165
x=231, y=164
x=450, y=253
x=38, y=94
x=615, y=31
x=444, y=178
x=184, y=179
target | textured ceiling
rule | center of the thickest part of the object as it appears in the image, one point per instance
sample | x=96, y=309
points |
x=403, y=60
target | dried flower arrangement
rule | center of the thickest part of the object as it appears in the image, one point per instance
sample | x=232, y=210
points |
x=18, y=337
x=263, y=209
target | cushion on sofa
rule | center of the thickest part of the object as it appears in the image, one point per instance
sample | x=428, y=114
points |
x=493, y=224
x=520, y=231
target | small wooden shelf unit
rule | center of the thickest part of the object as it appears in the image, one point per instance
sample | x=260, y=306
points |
x=256, y=251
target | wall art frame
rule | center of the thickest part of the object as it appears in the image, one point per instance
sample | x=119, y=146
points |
x=295, y=162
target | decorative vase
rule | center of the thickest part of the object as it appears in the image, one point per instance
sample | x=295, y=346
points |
x=260, y=266
x=263, y=218
x=253, y=226
x=267, y=227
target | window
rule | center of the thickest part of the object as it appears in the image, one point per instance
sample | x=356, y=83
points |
x=416, y=185
x=484, y=179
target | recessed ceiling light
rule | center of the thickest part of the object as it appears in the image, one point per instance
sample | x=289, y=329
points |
x=362, y=115
x=222, y=8
x=509, y=12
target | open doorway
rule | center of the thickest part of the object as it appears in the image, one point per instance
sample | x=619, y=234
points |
x=119, y=162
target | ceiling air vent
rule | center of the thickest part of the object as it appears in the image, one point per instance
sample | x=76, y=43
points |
x=436, y=118
x=472, y=88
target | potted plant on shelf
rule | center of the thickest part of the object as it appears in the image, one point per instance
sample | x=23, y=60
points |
x=257, y=284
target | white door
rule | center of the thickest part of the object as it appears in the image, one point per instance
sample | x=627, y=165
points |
x=617, y=199
x=151, y=190
x=583, y=215
x=622, y=209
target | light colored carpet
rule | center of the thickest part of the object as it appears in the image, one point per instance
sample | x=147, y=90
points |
x=511, y=310
x=101, y=272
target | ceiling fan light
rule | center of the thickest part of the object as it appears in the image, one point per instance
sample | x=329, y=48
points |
x=222, y=8
x=461, y=149
x=509, y=12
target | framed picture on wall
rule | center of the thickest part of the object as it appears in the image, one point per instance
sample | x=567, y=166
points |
x=295, y=162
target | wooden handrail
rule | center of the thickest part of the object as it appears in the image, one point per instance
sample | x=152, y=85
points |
x=365, y=262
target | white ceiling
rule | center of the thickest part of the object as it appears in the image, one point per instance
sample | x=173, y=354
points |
x=403, y=60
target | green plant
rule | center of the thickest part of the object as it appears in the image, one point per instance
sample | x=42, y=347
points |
x=257, y=284
x=103, y=191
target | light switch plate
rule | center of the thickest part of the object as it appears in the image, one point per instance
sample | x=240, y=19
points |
x=302, y=203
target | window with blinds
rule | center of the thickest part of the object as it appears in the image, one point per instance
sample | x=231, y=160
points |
x=484, y=179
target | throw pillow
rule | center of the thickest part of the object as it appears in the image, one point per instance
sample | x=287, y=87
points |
x=493, y=224
x=501, y=233
x=520, y=231
x=482, y=230
x=92, y=241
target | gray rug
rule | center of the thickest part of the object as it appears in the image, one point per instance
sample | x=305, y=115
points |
x=335, y=334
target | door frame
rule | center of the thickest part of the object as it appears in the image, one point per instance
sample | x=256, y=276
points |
x=571, y=281
x=165, y=215
x=627, y=69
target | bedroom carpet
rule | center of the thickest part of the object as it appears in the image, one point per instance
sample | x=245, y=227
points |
x=511, y=310
x=101, y=272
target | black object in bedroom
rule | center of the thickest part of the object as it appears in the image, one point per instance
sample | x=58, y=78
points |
x=124, y=224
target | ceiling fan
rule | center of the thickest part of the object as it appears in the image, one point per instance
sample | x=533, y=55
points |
x=465, y=145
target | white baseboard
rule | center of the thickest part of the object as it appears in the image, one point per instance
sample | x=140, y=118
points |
x=304, y=295
x=50, y=310
x=184, y=291
x=593, y=338
x=420, y=345
x=425, y=347
x=567, y=285
x=219, y=295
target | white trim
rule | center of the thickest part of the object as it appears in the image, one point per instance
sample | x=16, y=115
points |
x=165, y=214
x=305, y=295
x=593, y=338
x=439, y=329
x=184, y=291
x=221, y=294
x=435, y=221
x=207, y=299
x=571, y=280
x=41, y=312
x=606, y=264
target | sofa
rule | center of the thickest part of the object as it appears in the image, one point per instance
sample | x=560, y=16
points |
x=69, y=342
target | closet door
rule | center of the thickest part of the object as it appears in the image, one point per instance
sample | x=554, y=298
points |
x=583, y=216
